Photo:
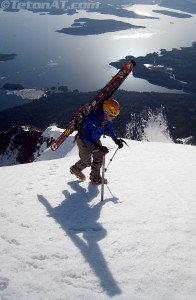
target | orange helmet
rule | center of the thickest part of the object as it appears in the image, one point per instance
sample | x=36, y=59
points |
x=112, y=107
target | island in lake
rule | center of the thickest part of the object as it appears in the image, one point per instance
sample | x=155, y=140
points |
x=172, y=13
x=85, y=26
x=12, y=86
x=175, y=69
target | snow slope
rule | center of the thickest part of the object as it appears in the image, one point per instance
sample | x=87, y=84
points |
x=59, y=242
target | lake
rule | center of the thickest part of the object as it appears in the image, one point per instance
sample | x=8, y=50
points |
x=47, y=58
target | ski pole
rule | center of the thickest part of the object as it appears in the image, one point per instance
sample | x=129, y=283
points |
x=103, y=176
x=111, y=159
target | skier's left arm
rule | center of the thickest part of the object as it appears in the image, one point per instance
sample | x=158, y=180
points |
x=111, y=133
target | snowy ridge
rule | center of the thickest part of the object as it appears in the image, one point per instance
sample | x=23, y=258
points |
x=58, y=241
x=64, y=150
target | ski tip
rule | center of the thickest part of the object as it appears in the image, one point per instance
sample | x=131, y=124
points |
x=53, y=146
x=133, y=63
x=129, y=66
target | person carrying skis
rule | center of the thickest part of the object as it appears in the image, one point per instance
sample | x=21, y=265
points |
x=91, y=151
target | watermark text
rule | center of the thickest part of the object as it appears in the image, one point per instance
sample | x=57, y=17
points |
x=56, y=4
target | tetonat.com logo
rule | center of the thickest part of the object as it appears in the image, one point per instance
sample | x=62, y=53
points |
x=58, y=4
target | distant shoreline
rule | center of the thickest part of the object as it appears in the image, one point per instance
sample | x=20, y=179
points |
x=5, y=57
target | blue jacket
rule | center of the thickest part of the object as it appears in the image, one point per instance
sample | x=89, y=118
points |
x=94, y=126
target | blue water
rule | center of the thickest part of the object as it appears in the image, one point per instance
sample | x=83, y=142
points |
x=48, y=58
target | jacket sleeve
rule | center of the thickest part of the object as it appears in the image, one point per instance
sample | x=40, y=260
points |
x=110, y=130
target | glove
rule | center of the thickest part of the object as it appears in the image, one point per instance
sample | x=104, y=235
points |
x=119, y=142
x=102, y=149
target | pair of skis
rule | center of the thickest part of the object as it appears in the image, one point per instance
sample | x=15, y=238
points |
x=96, y=102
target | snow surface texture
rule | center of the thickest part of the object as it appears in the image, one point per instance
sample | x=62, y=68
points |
x=59, y=242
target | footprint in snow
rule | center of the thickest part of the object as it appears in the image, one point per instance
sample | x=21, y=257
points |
x=10, y=241
x=4, y=282
x=39, y=257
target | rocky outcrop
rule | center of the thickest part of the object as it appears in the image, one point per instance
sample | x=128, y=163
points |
x=21, y=144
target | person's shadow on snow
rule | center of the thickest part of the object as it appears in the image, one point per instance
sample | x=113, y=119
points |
x=77, y=215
